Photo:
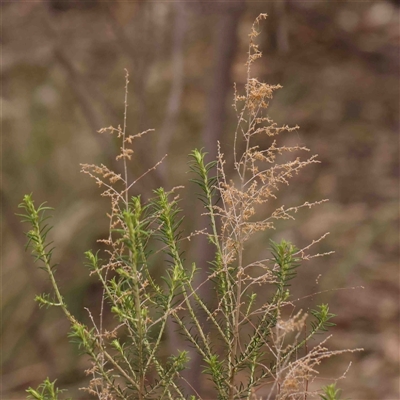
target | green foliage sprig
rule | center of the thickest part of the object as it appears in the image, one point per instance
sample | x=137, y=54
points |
x=46, y=391
x=330, y=392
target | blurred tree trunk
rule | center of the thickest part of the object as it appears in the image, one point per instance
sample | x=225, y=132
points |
x=169, y=127
x=175, y=94
x=225, y=46
x=226, y=43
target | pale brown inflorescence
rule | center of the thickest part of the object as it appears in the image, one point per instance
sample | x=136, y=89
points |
x=259, y=174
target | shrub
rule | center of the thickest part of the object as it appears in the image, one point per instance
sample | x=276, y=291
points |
x=248, y=344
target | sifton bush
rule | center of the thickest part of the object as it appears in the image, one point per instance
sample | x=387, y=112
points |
x=248, y=344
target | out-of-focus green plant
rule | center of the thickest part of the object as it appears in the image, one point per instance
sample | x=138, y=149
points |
x=330, y=392
x=46, y=391
x=248, y=344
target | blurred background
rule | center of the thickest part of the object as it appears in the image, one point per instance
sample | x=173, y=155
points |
x=63, y=79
